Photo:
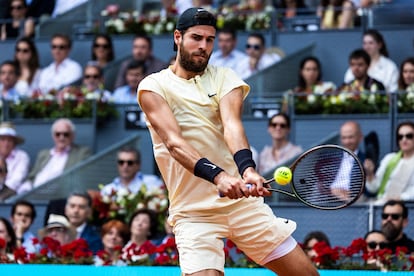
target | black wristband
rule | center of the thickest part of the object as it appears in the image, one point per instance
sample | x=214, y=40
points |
x=244, y=159
x=206, y=170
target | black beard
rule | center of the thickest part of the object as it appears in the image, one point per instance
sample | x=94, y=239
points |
x=189, y=65
x=390, y=231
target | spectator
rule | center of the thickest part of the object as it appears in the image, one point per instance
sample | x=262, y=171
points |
x=114, y=234
x=376, y=240
x=359, y=62
x=26, y=56
x=227, y=55
x=394, y=178
x=5, y=192
x=9, y=72
x=23, y=214
x=394, y=220
x=293, y=8
x=406, y=79
x=281, y=149
x=63, y=70
x=58, y=228
x=8, y=235
x=102, y=50
x=351, y=137
x=93, y=82
x=51, y=163
x=257, y=59
x=143, y=227
x=127, y=94
x=19, y=25
x=130, y=176
x=310, y=78
x=41, y=8
x=141, y=52
x=18, y=161
x=313, y=238
x=78, y=210
x=309, y=81
x=381, y=66
x=336, y=14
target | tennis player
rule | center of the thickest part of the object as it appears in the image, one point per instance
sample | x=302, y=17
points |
x=193, y=112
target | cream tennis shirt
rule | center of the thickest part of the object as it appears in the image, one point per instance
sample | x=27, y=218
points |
x=195, y=104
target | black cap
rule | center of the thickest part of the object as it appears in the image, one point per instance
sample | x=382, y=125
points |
x=195, y=16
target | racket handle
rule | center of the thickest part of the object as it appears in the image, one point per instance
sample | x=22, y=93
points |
x=248, y=186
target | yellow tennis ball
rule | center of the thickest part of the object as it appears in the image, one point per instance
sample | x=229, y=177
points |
x=282, y=175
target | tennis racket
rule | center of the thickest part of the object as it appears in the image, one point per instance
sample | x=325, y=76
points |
x=326, y=177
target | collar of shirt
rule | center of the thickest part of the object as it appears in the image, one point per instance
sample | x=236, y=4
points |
x=80, y=229
x=65, y=151
x=138, y=177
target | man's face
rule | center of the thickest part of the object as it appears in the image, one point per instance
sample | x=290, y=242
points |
x=8, y=76
x=141, y=49
x=195, y=47
x=91, y=78
x=62, y=136
x=359, y=68
x=77, y=210
x=393, y=223
x=60, y=49
x=226, y=43
x=134, y=76
x=350, y=137
x=127, y=166
x=22, y=216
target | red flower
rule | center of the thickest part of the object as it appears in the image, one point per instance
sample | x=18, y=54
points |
x=2, y=243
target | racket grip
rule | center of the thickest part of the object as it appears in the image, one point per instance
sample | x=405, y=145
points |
x=247, y=185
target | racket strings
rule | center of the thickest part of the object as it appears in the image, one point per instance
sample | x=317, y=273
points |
x=328, y=178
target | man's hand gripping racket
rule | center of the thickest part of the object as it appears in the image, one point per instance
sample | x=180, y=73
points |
x=325, y=177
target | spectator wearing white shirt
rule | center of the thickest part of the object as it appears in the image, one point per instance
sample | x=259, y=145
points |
x=257, y=59
x=17, y=160
x=227, y=55
x=63, y=70
x=130, y=177
x=381, y=68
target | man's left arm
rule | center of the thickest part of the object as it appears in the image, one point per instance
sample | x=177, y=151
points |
x=231, y=109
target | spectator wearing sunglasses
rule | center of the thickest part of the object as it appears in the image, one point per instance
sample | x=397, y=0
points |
x=281, y=149
x=258, y=59
x=130, y=176
x=63, y=70
x=27, y=57
x=51, y=163
x=93, y=82
x=375, y=240
x=394, y=178
x=19, y=25
x=394, y=219
x=102, y=50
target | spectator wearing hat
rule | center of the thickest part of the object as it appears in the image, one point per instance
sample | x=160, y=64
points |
x=58, y=228
x=17, y=160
